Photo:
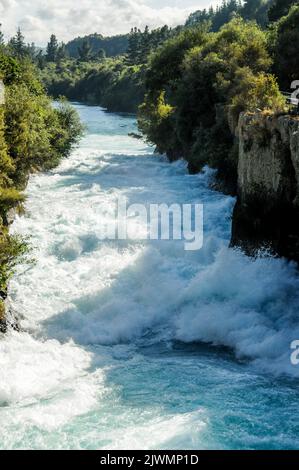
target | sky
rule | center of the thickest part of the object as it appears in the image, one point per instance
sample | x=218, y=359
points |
x=68, y=18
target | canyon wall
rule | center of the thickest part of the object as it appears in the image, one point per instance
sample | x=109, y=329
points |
x=266, y=214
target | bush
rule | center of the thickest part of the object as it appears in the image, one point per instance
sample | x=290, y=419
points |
x=13, y=251
x=252, y=92
x=197, y=77
x=286, y=59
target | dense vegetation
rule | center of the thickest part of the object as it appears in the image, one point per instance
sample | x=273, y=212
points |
x=33, y=136
x=285, y=36
x=112, y=46
x=111, y=82
x=116, y=83
x=82, y=70
x=200, y=80
x=217, y=17
x=196, y=86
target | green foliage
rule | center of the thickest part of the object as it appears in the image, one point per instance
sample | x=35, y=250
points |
x=279, y=9
x=65, y=129
x=196, y=85
x=141, y=44
x=9, y=199
x=155, y=121
x=17, y=45
x=37, y=136
x=113, y=46
x=85, y=51
x=286, y=59
x=112, y=83
x=27, y=135
x=254, y=92
x=133, y=46
x=256, y=10
x=1, y=36
x=52, y=49
x=125, y=91
x=10, y=69
x=165, y=66
x=13, y=251
x=6, y=164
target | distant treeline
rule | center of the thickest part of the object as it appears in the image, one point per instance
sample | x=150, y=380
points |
x=112, y=46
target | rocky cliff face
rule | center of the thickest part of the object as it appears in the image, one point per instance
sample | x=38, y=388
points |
x=267, y=209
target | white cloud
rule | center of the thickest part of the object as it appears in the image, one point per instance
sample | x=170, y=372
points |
x=38, y=19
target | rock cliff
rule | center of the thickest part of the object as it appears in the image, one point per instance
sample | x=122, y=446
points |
x=267, y=209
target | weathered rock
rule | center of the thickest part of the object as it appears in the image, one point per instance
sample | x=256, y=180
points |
x=10, y=216
x=267, y=209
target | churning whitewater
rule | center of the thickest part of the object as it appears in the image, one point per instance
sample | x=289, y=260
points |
x=141, y=344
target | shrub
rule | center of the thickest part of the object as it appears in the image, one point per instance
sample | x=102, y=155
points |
x=286, y=60
x=252, y=92
x=13, y=251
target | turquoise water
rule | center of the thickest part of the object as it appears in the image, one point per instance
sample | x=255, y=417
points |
x=141, y=344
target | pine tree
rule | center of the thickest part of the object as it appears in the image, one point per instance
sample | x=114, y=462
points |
x=20, y=43
x=145, y=46
x=85, y=51
x=61, y=53
x=32, y=51
x=280, y=8
x=100, y=55
x=52, y=49
x=17, y=44
x=133, y=47
x=41, y=60
x=164, y=34
x=1, y=36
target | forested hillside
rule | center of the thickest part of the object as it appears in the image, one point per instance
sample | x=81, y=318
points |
x=116, y=83
x=111, y=46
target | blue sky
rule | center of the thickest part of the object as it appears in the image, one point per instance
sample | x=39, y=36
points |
x=68, y=18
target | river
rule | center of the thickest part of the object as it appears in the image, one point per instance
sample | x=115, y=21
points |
x=140, y=344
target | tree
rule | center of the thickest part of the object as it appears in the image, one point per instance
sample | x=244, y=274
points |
x=17, y=44
x=254, y=91
x=1, y=36
x=6, y=164
x=100, y=55
x=32, y=51
x=190, y=84
x=61, y=53
x=199, y=16
x=145, y=46
x=40, y=59
x=52, y=49
x=286, y=59
x=10, y=69
x=279, y=9
x=85, y=51
x=256, y=10
x=133, y=47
